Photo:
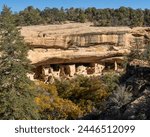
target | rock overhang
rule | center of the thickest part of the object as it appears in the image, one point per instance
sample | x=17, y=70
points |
x=80, y=42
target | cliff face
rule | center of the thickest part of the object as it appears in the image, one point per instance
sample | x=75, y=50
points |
x=68, y=50
x=76, y=42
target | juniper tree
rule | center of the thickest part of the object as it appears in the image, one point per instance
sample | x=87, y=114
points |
x=16, y=95
x=146, y=52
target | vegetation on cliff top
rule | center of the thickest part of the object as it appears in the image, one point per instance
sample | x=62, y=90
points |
x=122, y=16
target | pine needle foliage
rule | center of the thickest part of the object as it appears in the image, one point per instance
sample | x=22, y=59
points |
x=16, y=89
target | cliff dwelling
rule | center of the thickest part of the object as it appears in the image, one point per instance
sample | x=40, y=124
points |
x=48, y=73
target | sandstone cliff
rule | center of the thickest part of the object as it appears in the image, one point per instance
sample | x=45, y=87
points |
x=64, y=51
x=81, y=42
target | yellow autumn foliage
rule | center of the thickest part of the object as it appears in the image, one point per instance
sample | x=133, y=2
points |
x=52, y=107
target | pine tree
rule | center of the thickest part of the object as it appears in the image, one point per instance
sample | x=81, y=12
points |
x=146, y=53
x=16, y=89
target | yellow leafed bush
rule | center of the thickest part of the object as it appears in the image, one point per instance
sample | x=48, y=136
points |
x=53, y=107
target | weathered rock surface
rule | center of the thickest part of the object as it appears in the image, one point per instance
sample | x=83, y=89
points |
x=80, y=42
x=138, y=109
x=138, y=76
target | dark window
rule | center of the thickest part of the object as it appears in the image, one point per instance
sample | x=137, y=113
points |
x=55, y=67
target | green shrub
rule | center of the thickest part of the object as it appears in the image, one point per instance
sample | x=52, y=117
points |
x=111, y=80
x=87, y=92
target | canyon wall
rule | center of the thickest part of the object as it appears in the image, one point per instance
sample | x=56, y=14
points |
x=80, y=42
x=75, y=43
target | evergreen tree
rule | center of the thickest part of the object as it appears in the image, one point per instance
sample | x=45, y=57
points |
x=137, y=18
x=123, y=16
x=82, y=17
x=29, y=16
x=147, y=17
x=16, y=89
x=146, y=53
x=136, y=52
